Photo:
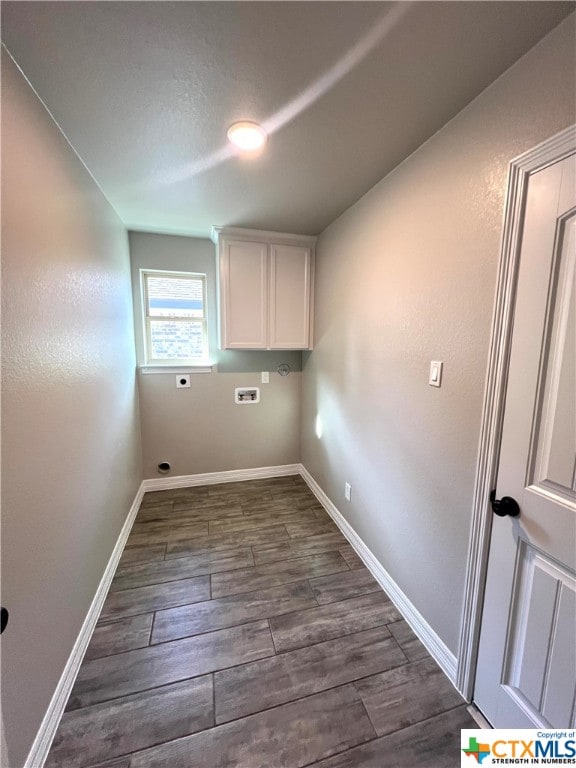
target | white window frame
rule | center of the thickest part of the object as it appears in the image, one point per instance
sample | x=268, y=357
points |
x=146, y=318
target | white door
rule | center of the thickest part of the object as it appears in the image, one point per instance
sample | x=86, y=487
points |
x=526, y=673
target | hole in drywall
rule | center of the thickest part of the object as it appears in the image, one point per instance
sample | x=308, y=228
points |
x=164, y=467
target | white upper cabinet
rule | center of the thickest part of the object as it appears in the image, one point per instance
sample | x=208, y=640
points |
x=265, y=289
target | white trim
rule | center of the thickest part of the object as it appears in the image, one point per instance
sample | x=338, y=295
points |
x=434, y=645
x=43, y=741
x=521, y=168
x=146, y=370
x=261, y=235
x=212, y=478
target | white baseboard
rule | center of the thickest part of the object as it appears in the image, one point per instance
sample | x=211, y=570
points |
x=212, y=478
x=434, y=645
x=43, y=741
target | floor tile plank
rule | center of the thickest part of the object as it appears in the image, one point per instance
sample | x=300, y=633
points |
x=119, y=636
x=407, y=695
x=146, y=554
x=293, y=548
x=271, y=506
x=188, y=512
x=119, y=762
x=274, y=533
x=300, y=501
x=315, y=625
x=181, y=568
x=173, y=495
x=167, y=525
x=243, y=496
x=260, y=520
x=155, y=502
x=341, y=586
x=130, y=602
x=310, y=527
x=290, y=736
x=300, y=497
x=434, y=743
x=157, y=665
x=104, y=731
x=252, y=687
x=155, y=533
x=348, y=553
x=240, y=486
x=408, y=641
x=272, y=574
x=229, y=611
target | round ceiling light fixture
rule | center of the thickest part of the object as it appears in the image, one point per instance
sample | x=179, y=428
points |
x=247, y=135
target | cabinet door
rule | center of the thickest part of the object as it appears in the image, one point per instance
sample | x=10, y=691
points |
x=289, y=305
x=243, y=295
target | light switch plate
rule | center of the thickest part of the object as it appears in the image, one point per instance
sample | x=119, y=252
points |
x=265, y=377
x=435, y=377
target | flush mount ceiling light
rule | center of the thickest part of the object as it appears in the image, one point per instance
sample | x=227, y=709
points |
x=247, y=136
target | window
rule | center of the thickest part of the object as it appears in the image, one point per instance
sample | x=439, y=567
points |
x=174, y=317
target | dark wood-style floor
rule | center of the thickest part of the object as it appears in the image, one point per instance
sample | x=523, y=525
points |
x=242, y=631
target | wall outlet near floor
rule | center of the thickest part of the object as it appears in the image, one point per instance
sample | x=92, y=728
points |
x=183, y=381
x=347, y=491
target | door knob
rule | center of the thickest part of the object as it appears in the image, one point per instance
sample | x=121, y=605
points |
x=504, y=506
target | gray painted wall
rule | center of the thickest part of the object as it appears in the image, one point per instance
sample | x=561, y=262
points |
x=71, y=461
x=407, y=276
x=201, y=429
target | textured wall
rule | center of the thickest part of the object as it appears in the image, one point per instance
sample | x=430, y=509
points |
x=406, y=276
x=201, y=429
x=70, y=437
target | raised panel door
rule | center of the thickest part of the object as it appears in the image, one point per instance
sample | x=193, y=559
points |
x=289, y=307
x=243, y=297
x=526, y=675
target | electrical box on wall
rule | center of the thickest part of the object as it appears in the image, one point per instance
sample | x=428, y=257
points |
x=244, y=395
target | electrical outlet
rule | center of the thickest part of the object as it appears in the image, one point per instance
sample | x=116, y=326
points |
x=347, y=491
x=265, y=377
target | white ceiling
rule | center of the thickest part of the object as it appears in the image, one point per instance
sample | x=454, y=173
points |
x=145, y=92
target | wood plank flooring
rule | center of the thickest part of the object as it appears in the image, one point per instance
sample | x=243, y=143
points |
x=241, y=630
